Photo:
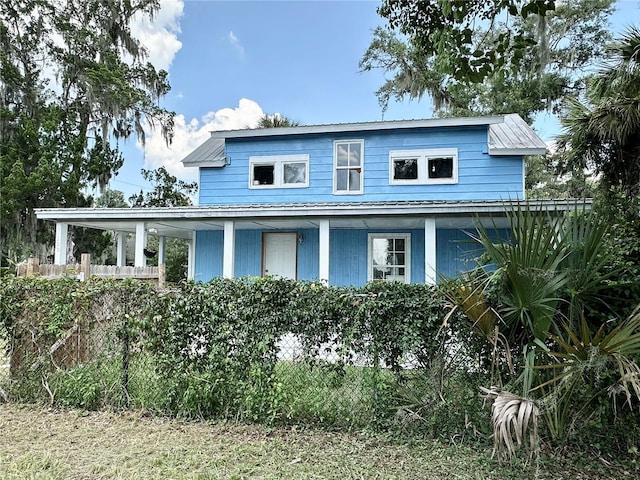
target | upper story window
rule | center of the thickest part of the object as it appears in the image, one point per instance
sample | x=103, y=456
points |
x=279, y=171
x=420, y=167
x=389, y=257
x=348, y=156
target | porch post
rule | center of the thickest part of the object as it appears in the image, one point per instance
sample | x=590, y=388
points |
x=121, y=249
x=141, y=242
x=323, y=250
x=228, y=251
x=161, y=249
x=60, y=253
x=191, y=257
x=430, y=251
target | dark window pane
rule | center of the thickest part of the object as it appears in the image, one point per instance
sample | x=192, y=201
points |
x=399, y=245
x=399, y=259
x=405, y=169
x=440, y=167
x=263, y=174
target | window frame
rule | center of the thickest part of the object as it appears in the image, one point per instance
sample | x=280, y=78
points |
x=422, y=157
x=360, y=191
x=407, y=254
x=278, y=162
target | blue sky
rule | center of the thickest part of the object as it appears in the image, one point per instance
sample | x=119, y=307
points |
x=231, y=61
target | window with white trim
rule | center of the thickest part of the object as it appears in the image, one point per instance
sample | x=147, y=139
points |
x=389, y=257
x=348, y=160
x=279, y=171
x=423, y=167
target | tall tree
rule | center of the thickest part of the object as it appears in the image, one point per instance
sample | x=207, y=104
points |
x=73, y=81
x=478, y=57
x=462, y=34
x=602, y=132
x=167, y=191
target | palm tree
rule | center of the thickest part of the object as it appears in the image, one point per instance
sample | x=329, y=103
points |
x=275, y=121
x=604, y=132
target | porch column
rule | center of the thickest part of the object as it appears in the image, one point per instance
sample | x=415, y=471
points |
x=323, y=250
x=161, y=249
x=191, y=257
x=141, y=242
x=229, y=250
x=60, y=252
x=121, y=249
x=430, y=251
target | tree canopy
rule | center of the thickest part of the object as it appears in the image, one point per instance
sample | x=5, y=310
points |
x=73, y=81
x=275, y=121
x=167, y=191
x=477, y=57
x=602, y=132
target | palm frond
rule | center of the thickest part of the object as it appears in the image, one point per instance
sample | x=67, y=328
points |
x=512, y=418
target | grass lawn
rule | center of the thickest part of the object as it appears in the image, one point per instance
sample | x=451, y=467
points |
x=36, y=442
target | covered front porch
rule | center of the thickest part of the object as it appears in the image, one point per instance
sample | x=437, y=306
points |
x=229, y=241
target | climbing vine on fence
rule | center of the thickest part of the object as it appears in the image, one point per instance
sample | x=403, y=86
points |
x=213, y=347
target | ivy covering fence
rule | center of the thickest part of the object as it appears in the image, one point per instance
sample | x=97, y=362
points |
x=256, y=349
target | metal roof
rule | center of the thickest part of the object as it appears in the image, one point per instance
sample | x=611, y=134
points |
x=359, y=127
x=514, y=137
x=209, y=154
x=181, y=222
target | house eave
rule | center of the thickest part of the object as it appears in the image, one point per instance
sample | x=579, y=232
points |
x=418, y=208
x=516, y=151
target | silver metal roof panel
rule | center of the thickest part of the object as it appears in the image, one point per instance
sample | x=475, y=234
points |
x=514, y=137
x=209, y=154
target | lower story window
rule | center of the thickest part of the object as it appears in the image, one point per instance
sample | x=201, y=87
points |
x=389, y=257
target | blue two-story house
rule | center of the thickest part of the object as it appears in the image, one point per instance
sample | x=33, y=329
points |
x=342, y=203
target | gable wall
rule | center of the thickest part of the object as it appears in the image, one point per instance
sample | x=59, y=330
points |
x=480, y=176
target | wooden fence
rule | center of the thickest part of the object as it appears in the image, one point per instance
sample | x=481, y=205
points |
x=84, y=270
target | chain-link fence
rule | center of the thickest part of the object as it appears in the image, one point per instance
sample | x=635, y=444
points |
x=201, y=353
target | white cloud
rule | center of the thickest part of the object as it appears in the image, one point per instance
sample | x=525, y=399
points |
x=188, y=135
x=235, y=41
x=160, y=34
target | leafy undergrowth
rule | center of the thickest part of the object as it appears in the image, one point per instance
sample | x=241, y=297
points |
x=72, y=444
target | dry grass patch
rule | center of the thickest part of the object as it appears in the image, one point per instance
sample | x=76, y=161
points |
x=70, y=444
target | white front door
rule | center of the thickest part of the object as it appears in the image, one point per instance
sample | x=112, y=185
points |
x=280, y=254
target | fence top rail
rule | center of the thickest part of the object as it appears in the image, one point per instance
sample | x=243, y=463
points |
x=84, y=270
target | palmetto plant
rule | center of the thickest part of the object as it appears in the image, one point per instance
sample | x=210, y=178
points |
x=598, y=365
x=551, y=266
x=543, y=277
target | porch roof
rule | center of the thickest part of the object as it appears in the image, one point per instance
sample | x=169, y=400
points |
x=181, y=222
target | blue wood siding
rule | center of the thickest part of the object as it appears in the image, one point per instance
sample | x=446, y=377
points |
x=456, y=251
x=480, y=176
x=208, y=255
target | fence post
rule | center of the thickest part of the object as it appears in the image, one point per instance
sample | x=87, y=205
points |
x=85, y=266
x=33, y=266
x=125, y=349
x=162, y=275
